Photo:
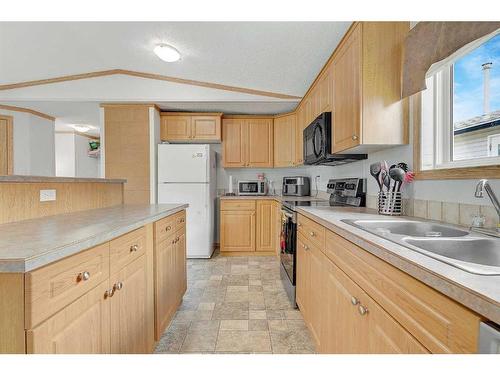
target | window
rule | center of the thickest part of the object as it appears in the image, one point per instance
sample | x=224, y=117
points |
x=461, y=108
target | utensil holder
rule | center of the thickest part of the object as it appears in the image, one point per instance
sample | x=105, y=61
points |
x=390, y=203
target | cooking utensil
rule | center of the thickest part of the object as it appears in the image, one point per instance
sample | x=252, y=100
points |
x=398, y=175
x=375, y=170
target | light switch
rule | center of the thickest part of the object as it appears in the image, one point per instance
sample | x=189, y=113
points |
x=47, y=195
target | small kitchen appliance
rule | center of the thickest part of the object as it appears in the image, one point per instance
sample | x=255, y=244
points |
x=252, y=187
x=298, y=186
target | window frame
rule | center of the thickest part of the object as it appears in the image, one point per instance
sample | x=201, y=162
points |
x=443, y=166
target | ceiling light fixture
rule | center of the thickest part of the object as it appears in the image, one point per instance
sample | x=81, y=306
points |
x=81, y=128
x=167, y=53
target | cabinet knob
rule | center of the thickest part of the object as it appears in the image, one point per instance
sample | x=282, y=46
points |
x=305, y=247
x=118, y=286
x=134, y=248
x=354, y=301
x=354, y=137
x=362, y=310
x=182, y=220
x=299, y=225
x=312, y=234
x=109, y=293
x=83, y=276
x=168, y=228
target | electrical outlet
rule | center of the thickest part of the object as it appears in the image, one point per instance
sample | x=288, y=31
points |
x=47, y=195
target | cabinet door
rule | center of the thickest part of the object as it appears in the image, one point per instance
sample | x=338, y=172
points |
x=180, y=272
x=164, y=277
x=237, y=231
x=316, y=297
x=344, y=330
x=206, y=128
x=299, y=135
x=325, y=91
x=385, y=335
x=284, y=141
x=234, y=151
x=260, y=143
x=175, y=128
x=347, y=94
x=82, y=327
x=303, y=275
x=128, y=309
x=265, y=239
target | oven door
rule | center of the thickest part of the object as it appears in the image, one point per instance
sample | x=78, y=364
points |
x=288, y=239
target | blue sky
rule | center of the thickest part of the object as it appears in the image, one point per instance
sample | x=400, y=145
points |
x=468, y=81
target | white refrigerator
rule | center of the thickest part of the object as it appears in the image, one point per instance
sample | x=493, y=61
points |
x=186, y=174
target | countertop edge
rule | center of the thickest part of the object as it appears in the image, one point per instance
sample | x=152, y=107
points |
x=30, y=264
x=41, y=179
x=482, y=305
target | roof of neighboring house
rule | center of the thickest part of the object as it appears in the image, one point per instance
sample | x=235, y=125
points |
x=476, y=123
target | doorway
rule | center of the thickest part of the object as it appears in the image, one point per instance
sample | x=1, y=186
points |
x=6, y=145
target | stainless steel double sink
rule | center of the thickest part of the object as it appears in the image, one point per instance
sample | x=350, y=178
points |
x=469, y=251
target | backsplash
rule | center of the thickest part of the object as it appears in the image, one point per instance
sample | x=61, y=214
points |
x=448, y=212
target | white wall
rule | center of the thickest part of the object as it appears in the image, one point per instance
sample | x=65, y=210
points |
x=65, y=154
x=85, y=166
x=34, y=149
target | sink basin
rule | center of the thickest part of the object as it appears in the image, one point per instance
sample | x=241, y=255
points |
x=409, y=228
x=459, y=248
x=474, y=251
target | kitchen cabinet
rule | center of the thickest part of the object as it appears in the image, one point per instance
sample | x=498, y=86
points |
x=354, y=302
x=299, y=134
x=368, y=112
x=277, y=228
x=190, y=127
x=170, y=269
x=249, y=226
x=81, y=327
x=106, y=299
x=247, y=142
x=129, y=333
x=265, y=237
x=284, y=140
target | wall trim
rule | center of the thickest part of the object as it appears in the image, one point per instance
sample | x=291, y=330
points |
x=77, y=133
x=27, y=110
x=158, y=77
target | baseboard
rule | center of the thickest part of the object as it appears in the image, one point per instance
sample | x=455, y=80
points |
x=247, y=253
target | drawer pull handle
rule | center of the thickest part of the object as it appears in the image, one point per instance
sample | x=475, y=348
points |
x=299, y=225
x=168, y=228
x=118, y=286
x=312, y=234
x=362, y=310
x=173, y=241
x=134, y=248
x=305, y=247
x=181, y=220
x=83, y=276
x=109, y=293
x=354, y=301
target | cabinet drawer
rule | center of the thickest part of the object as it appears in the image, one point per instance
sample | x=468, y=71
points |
x=237, y=205
x=51, y=288
x=180, y=220
x=164, y=228
x=439, y=323
x=127, y=248
x=312, y=231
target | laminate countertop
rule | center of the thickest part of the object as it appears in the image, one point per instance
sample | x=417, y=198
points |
x=30, y=244
x=278, y=198
x=477, y=292
x=41, y=179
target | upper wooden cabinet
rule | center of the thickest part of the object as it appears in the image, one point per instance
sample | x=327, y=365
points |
x=368, y=112
x=190, y=127
x=247, y=142
x=284, y=140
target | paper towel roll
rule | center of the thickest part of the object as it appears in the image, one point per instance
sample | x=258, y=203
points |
x=230, y=187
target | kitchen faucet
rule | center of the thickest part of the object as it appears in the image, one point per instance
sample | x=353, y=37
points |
x=483, y=185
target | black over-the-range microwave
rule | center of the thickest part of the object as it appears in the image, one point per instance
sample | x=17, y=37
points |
x=318, y=144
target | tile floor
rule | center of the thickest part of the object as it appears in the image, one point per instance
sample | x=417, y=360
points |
x=236, y=305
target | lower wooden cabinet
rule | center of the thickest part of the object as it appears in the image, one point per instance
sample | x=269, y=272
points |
x=102, y=303
x=354, y=302
x=128, y=324
x=237, y=231
x=171, y=284
x=81, y=327
x=265, y=239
